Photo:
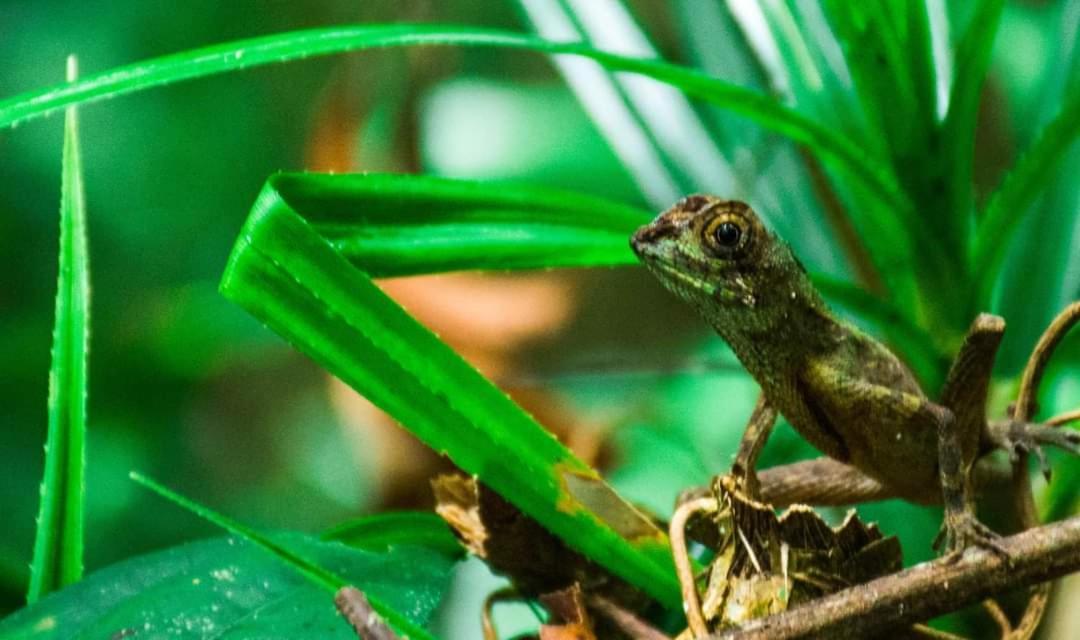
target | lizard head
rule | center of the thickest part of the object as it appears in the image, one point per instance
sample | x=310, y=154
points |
x=711, y=251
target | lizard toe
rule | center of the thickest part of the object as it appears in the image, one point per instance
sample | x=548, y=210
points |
x=963, y=530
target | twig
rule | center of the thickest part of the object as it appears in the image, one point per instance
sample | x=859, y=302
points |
x=927, y=590
x=1064, y=418
x=1026, y=404
x=683, y=567
x=629, y=623
x=354, y=607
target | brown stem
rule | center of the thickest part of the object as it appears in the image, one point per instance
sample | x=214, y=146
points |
x=1064, y=418
x=1026, y=401
x=927, y=590
x=683, y=567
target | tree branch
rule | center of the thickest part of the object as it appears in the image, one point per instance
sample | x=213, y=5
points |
x=926, y=590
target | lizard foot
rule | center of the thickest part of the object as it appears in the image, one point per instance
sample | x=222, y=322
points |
x=962, y=530
x=1015, y=437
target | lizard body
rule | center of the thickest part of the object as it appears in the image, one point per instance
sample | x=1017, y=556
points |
x=844, y=392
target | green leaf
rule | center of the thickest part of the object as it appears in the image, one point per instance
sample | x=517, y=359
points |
x=887, y=48
x=834, y=150
x=394, y=225
x=287, y=275
x=315, y=572
x=58, y=543
x=229, y=587
x=958, y=130
x=382, y=532
x=1014, y=198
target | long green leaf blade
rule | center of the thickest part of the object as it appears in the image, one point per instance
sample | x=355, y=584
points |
x=1014, y=198
x=58, y=543
x=318, y=575
x=958, y=131
x=765, y=110
x=286, y=274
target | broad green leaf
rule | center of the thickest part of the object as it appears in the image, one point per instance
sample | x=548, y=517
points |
x=58, y=543
x=383, y=531
x=834, y=150
x=289, y=276
x=313, y=570
x=230, y=588
x=1014, y=198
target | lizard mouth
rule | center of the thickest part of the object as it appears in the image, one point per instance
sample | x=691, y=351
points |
x=677, y=276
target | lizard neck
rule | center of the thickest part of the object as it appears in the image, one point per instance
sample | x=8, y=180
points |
x=775, y=333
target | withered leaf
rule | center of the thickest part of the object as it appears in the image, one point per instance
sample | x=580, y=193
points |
x=766, y=563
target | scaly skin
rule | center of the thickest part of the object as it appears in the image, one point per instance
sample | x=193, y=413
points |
x=844, y=391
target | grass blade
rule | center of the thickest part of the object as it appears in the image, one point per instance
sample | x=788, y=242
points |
x=833, y=149
x=316, y=574
x=958, y=130
x=58, y=543
x=1014, y=198
x=287, y=275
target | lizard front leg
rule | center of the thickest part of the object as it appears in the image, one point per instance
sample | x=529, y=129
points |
x=758, y=428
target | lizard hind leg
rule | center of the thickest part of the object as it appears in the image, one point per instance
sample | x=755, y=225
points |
x=961, y=422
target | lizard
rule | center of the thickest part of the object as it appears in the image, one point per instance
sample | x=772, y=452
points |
x=844, y=391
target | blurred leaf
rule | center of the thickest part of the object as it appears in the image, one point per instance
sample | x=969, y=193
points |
x=58, y=543
x=607, y=104
x=958, y=130
x=832, y=149
x=290, y=277
x=887, y=49
x=229, y=587
x=1013, y=200
x=506, y=115
x=313, y=570
x=382, y=532
x=666, y=119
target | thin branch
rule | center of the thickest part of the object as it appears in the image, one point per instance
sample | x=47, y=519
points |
x=926, y=590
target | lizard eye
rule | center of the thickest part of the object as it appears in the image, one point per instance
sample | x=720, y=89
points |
x=726, y=236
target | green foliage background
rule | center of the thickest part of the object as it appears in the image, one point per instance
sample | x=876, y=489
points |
x=189, y=388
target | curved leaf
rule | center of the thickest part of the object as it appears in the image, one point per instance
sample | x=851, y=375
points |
x=392, y=225
x=287, y=275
